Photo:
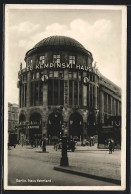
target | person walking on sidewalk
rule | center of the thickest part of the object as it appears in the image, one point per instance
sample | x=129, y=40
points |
x=44, y=143
x=110, y=146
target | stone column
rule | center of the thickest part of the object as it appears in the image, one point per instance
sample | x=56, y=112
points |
x=24, y=95
x=84, y=95
x=28, y=89
x=66, y=88
x=107, y=106
x=89, y=96
x=95, y=97
x=101, y=107
x=45, y=106
x=45, y=94
x=111, y=106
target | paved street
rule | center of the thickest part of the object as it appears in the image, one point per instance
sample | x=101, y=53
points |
x=29, y=166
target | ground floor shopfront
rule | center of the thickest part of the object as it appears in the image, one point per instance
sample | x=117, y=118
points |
x=56, y=122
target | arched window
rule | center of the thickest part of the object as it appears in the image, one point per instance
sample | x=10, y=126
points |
x=35, y=118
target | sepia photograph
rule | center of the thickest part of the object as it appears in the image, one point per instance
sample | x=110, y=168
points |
x=65, y=97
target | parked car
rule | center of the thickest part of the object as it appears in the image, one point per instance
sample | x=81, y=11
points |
x=86, y=142
x=12, y=140
x=70, y=144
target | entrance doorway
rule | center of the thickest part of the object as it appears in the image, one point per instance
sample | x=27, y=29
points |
x=76, y=126
x=54, y=127
x=91, y=128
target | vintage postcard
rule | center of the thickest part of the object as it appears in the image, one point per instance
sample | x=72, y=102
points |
x=65, y=97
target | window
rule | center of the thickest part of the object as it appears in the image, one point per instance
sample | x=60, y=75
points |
x=55, y=92
x=24, y=77
x=37, y=75
x=61, y=74
x=75, y=93
x=41, y=94
x=13, y=116
x=91, y=95
x=16, y=116
x=36, y=93
x=23, y=95
x=42, y=59
x=71, y=59
x=79, y=76
x=33, y=75
x=9, y=116
x=56, y=58
x=28, y=61
x=97, y=97
x=55, y=73
x=70, y=92
x=105, y=102
x=75, y=75
x=116, y=108
x=50, y=73
x=70, y=74
x=80, y=93
x=119, y=108
x=109, y=104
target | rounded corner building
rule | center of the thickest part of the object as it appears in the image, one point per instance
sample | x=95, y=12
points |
x=61, y=93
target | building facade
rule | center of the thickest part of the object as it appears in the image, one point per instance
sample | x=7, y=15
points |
x=62, y=93
x=13, y=116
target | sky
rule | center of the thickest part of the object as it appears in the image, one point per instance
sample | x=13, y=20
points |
x=99, y=31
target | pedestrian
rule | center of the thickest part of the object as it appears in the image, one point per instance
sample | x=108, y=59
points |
x=22, y=140
x=90, y=142
x=44, y=143
x=110, y=147
x=113, y=145
x=56, y=145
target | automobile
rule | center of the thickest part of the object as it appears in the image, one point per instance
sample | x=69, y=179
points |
x=76, y=139
x=12, y=140
x=70, y=144
x=86, y=142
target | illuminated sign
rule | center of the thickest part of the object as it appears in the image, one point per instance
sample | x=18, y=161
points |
x=59, y=66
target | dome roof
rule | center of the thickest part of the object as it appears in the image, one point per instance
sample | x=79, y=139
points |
x=59, y=42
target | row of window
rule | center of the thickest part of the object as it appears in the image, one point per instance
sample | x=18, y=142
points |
x=11, y=125
x=111, y=105
x=12, y=109
x=56, y=59
x=59, y=74
x=12, y=116
x=57, y=91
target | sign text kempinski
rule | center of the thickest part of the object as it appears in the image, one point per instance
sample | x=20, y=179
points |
x=58, y=65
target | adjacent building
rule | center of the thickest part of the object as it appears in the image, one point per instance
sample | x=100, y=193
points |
x=13, y=116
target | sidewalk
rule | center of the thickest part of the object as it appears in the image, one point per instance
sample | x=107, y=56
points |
x=85, y=161
x=108, y=170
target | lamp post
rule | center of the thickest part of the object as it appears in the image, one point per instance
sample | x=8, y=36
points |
x=64, y=158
